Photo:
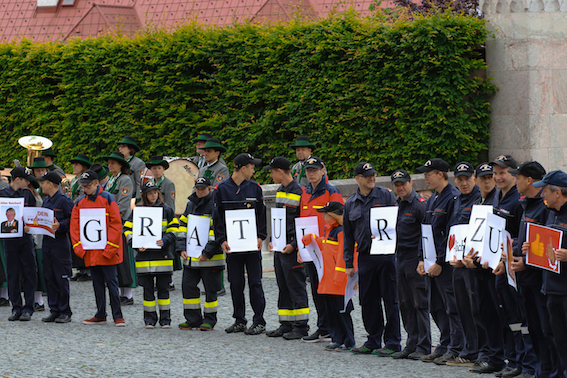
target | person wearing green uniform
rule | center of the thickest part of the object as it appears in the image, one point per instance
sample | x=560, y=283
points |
x=167, y=188
x=214, y=169
x=49, y=156
x=128, y=147
x=303, y=149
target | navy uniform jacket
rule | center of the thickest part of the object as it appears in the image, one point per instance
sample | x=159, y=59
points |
x=229, y=196
x=463, y=207
x=356, y=222
x=289, y=197
x=62, y=206
x=29, y=199
x=535, y=212
x=489, y=200
x=440, y=207
x=554, y=283
x=408, y=229
x=509, y=208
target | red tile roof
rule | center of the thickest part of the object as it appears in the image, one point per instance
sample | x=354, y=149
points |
x=84, y=18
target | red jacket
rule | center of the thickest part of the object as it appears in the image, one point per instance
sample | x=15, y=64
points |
x=112, y=253
x=311, y=200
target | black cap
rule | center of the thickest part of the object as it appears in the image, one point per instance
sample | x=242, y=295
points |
x=244, y=159
x=88, y=176
x=22, y=172
x=464, y=168
x=50, y=176
x=531, y=169
x=149, y=186
x=279, y=162
x=505, y=161
x=314, y=162
x=434, y=165
x=202, y=182
x=332, y=207
x=484, y=169
x=556, y=178
x=400, y=175
x=365, y=169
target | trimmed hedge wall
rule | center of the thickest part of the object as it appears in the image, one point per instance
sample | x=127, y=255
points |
x=393, y=92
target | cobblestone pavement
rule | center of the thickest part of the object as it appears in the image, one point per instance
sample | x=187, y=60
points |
x=36, y=349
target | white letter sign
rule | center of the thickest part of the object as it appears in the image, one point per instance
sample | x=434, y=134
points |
x=198, y=228
x=147, y=227
x=279, y=234
x=492, y=252
x=93, y=228
x=477, y=226
x=456, y=242
x=383, y=226
x=428, y=247
x=241, y=233
x=304, y=226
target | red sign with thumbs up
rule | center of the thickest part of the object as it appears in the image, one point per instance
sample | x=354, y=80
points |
x=543, y=243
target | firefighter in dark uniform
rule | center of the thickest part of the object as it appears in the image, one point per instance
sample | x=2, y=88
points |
x=207, y=267
x=412, y=295
x=377, y=273
x=155, y=265
x=57, y=251
x=529, y=279
x=463, y=279
x=20, y=259
x=518, y=347
x=485, y=181
x=239, y=192
x=442, y=305
x=293, y=306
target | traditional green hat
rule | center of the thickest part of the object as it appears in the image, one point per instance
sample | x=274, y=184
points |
x=157, y=160
x=101, y=170
x=131, y=141
x=2, y=167
x=203, y=137
x=214, y=144
x=303, y=141
x=82, y=159
x=119, y=157
x=38, y=162
x=49, y=152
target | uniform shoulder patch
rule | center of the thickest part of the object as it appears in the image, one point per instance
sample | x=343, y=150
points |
x=141, y=171
x=421, y=199
x=172, y=194
x=220, y=177
x=125, y=190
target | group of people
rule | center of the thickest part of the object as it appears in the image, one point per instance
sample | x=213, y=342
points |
x=485, y=324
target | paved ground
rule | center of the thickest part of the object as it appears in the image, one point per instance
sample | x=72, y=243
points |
x=36, y=349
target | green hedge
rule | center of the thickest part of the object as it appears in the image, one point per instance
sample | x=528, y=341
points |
x=390, y=91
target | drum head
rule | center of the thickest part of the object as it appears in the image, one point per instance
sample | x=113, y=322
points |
x=183, y=173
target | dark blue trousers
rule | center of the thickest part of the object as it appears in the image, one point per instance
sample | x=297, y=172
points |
x=548, y=362
x=467, y=307
x=412, y=296
x=57, y=265
x=377, y=283
x=491, y=316
x=212, y=283
x=252, y=262
x=557, y=307
x=342, y=330
x=290, y=276
x=22, y=272
x=106, y=275
x=443, y=308
x=323, y=322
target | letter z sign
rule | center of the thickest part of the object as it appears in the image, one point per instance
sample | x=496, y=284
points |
x=93, y=228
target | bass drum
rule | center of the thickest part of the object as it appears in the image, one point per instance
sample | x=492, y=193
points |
x=183, y=173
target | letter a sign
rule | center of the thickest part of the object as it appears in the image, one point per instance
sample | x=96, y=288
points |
x=147, y=227
x=93, y=228
x=241, y=233
x=197, y=234
x=383, y=226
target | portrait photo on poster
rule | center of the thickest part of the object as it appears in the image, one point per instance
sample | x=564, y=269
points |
x=11, y=213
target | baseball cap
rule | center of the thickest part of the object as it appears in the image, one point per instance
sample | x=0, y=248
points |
x=531, y=169
x=400, y=175
x=365, y=169
x=434, y=165
x=504, y=161
x=88, y=176
x=314, y=162
x=22, y=172
x=149, y=186
x=244, y=159
x=50, y=176
x=279, y=162
x=556, y=178
x=464, y=168
x=202, y=182
x=484, y=169
x=332, y=207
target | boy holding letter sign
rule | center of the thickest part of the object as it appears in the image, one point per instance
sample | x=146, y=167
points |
x=239, y=194
x=293, y=306
x=104, y=233
x=202, y=256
